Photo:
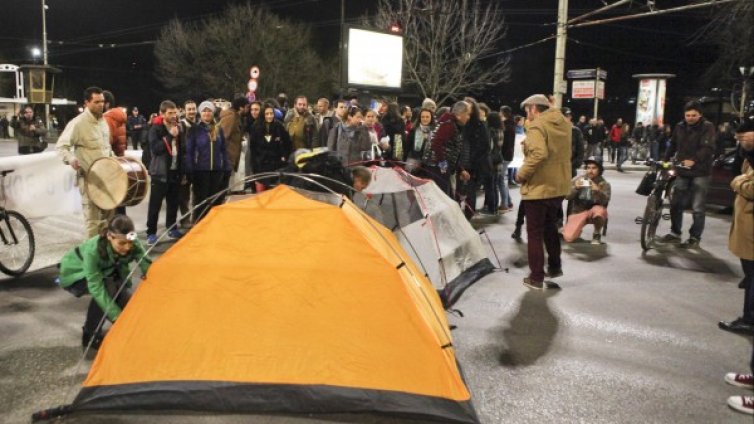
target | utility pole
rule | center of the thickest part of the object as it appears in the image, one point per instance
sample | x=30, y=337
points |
x=560, y=50
x=596, y=98
x=343, y=52
x=44, y=55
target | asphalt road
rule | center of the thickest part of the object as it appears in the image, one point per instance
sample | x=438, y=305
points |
x=630, y=338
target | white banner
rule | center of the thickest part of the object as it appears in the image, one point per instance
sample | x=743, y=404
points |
x=42, y=185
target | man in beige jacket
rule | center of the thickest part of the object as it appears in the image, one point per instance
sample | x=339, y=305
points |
x=741, y=244
x=546, y=178
x=85, y=139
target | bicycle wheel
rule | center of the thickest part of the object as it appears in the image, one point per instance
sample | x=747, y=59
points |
x=652, y=214
x=18, y=251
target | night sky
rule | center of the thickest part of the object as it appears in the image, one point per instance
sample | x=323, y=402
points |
x=654, y=44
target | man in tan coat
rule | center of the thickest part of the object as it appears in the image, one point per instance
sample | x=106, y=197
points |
x=231, y=123
x=546, y=179
x=741, y=240
x=85, y=139
x=741, y=244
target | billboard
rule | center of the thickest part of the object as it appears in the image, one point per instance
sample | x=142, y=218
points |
x=650, y=102
x=374, y=59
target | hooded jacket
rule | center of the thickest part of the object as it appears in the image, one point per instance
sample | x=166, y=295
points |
x=546, y=171
x=116, y=121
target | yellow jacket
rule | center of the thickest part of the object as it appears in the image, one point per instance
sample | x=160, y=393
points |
x=546, y=171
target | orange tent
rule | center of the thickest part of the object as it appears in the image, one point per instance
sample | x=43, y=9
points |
x=280, y=303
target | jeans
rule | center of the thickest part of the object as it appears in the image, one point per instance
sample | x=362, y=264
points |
x=654, y=150
x=491, y=193
x=542, y=231
x=502, y=185
x=94, y=314
x=622, y=156
x=158, y=192
x=594, y=150
x=683, y=190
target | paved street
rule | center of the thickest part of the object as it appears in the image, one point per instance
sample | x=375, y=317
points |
x=631, y=337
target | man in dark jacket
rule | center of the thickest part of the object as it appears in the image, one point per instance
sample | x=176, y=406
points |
x=446, y=146
x=136, y=128
x=166, y=169
x=693, y=144
x=577, y=143
x=595, y=134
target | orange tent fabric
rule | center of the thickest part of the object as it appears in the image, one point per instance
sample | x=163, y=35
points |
x=282, y=303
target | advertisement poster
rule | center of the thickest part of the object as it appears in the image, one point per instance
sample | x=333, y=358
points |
x=646, y=101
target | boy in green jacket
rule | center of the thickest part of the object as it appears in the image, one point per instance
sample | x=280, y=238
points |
x=97, y=267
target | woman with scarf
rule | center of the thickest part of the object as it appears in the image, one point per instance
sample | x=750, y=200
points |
x=419, y=143
x=206, y=160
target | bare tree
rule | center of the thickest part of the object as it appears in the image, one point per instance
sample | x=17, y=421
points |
x=731, y=30
x=448, y=44
x=212, y=58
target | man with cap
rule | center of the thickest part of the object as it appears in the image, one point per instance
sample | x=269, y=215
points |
x=589, y=196
x=741, y=244
x=545, y=181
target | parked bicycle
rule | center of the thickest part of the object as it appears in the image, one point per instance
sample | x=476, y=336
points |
x=658, y=186
x=17, y=252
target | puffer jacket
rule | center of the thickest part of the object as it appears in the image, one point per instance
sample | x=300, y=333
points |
x=546, y=171
x=116, y=121
x=204, y=154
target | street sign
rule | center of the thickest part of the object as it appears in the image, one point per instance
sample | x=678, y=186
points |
x=585, y=89
x=586, y=74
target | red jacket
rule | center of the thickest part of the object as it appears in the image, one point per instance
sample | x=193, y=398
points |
x=615, y=133
x=116, y=120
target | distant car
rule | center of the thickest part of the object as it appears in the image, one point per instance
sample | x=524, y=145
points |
x=723, y=171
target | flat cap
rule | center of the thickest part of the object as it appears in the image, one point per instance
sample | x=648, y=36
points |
x=536, y=99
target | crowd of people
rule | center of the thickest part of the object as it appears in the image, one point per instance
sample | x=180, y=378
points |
x=192, y=153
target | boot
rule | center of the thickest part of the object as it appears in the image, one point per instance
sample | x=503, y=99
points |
x=516, y=233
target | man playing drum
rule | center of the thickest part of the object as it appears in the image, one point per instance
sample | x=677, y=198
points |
x=85, y=139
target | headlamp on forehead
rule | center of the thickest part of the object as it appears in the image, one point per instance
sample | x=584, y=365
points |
x=130, y=236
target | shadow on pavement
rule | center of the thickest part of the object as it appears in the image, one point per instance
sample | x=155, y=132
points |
x=698, y=260
x=585, y=251
x=38, y=279
x=530, y=332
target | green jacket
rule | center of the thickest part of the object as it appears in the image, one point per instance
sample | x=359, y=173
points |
x=84, y=262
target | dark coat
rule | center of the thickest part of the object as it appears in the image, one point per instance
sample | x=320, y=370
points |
x=270, y=146
x=161, y=144
x=447, y=143
x=509, y=139
x=693, y=142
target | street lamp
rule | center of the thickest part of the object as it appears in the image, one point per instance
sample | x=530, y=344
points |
x=36, y=52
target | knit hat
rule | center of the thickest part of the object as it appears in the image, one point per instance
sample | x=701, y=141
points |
x=207, y=105
x=429, y=104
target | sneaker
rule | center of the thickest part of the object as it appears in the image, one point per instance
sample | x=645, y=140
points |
x=175, y=234
x=740, y=380
x=536, y=285
x=691, y=243
x=738, y=325
x=597, y=238
x=671, y=238
x=743, y=404
x=151, y=239
x=554, y=272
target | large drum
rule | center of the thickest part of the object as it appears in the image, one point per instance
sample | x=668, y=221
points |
x=117, y=181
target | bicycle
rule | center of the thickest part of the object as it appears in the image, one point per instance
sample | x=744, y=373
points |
x=662, y=190
x=17, y=252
